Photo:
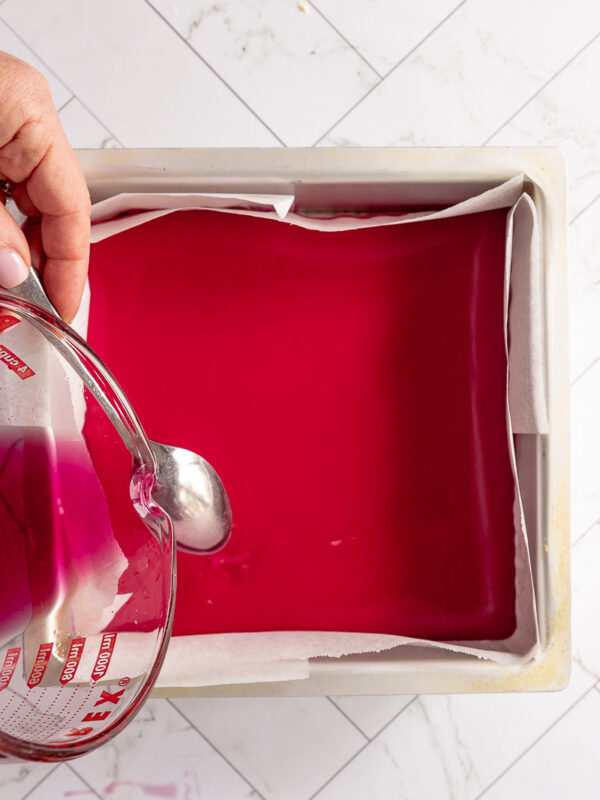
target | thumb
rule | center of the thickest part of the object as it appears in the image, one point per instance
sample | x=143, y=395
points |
x=14, y=252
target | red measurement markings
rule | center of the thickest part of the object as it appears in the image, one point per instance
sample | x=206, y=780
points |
x=104, y=656
x=7, y=322
x=34, y=711
x=8, y=668
x=40, y=664
x=111, y=698
x=72, y=662
x=51, y=720
x=50, y=737
x=14, y=363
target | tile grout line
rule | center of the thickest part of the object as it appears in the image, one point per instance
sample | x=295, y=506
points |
x=83, y=780
x=348, y=42
x=57, y=76
x=214, y=71
x=387, y=74
x=97, y=118
x=214, y=747
x=585, y=533
x=350, y=720
x=39, y=783
x=541, y=88
x=338, y=771
x=345, y=114
x=416, y=697
x=585, y=371
x=360, y=750
x=424, y=39
x=65, y=104
x=539, y=738
x=584, y=209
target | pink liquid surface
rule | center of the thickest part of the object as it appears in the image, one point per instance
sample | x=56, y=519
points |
x=350, y=390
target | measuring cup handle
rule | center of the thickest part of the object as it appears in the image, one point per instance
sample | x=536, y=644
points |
x=31, y=289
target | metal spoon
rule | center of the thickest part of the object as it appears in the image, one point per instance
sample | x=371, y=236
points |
x=187, y=487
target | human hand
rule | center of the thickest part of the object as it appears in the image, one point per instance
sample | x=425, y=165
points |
x=47, y=186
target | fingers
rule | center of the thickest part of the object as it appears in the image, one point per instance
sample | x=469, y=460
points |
x=64, y=280
x=35, y=154
x=32, y=228
x=58, y=190
x=14, y=252
x=20, y=195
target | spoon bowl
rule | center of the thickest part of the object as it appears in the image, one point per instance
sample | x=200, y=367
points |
x=193, y=495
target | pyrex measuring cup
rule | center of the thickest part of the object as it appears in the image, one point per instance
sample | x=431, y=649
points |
x=87, y=568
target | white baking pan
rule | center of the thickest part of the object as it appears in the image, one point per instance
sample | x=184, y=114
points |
x=379, y=179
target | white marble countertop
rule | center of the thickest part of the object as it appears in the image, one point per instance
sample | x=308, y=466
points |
x=171, y=73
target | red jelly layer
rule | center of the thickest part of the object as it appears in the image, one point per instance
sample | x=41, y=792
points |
x=350, y=389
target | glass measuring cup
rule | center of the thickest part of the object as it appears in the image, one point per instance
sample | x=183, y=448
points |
x=87, y=558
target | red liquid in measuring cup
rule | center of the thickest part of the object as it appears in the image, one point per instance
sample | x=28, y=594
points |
x=15, y=593
x=59, y=552
x=350, y=389
x=66, y=671
x=32, y=541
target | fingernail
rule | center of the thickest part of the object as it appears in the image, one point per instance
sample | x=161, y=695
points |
x=13, y=270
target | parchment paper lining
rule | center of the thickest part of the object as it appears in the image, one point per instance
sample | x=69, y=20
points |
x=284, y=655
